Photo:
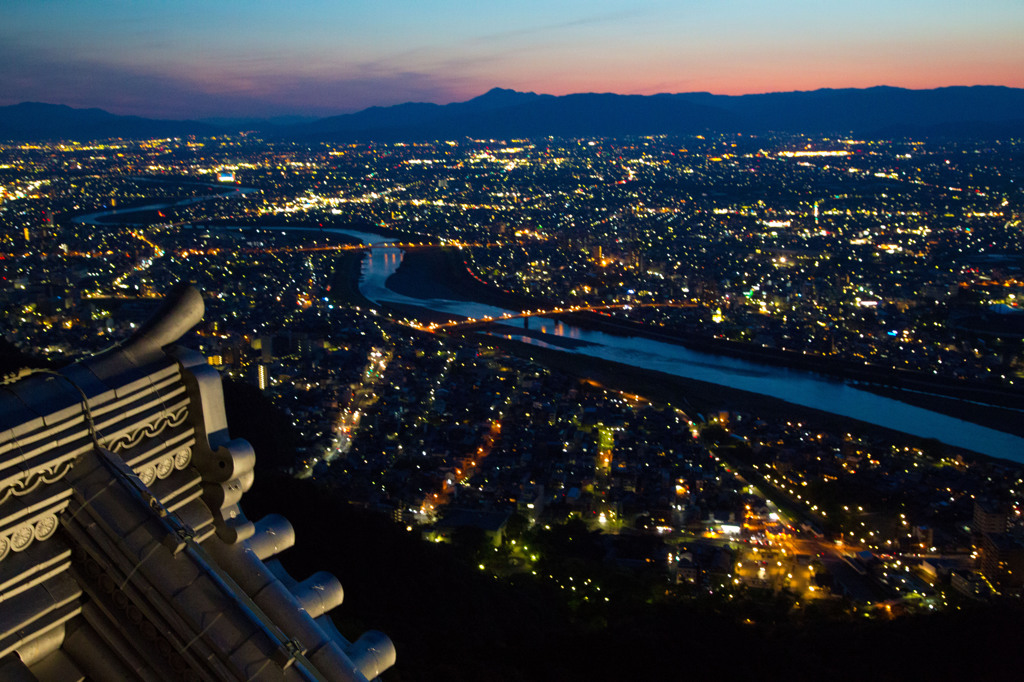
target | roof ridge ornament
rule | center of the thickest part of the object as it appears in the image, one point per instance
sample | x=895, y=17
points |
x=181, y=310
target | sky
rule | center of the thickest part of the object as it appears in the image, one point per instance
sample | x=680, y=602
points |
x=182, y=59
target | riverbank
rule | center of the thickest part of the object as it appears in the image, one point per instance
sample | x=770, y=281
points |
x=345, y=280
x=449, y=278
x=969, y=403
x=696, y=398
x=856, y=373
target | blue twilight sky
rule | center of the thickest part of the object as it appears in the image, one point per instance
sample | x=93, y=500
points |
x=191, y=59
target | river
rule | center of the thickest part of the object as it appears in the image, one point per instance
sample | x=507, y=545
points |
x=794, y=386
x=225, y=192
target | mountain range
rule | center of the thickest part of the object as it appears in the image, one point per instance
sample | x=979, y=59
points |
x=34, y=121
x=975, y=111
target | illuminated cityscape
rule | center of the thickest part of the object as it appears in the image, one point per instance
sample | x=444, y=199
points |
x=468, y=338
x=515, y=342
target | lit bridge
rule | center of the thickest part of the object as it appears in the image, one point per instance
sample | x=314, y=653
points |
x=483, y=321
x=405, y=246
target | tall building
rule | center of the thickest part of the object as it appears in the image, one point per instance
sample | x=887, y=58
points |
x=990, y=517
x=1002, y=561
x=262, y=376
x=124, y=553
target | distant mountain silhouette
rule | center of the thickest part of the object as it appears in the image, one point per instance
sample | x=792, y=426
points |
x=506, y=113
x=953, y=111
x=30, y=121
x=976, y=111
x=874, y=109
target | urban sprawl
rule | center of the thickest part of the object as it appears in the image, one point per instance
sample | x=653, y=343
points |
x=889, y=260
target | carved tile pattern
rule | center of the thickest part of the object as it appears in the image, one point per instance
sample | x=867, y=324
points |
x=19, y=538
x=164, y=467
x=34, y=479
x=153, y=428
x=147, y=475
x=182, y=458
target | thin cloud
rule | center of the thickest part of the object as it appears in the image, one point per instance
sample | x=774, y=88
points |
x=190, y=94
x=548, y=28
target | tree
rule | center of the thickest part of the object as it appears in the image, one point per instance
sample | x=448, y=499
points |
x=516, y=525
